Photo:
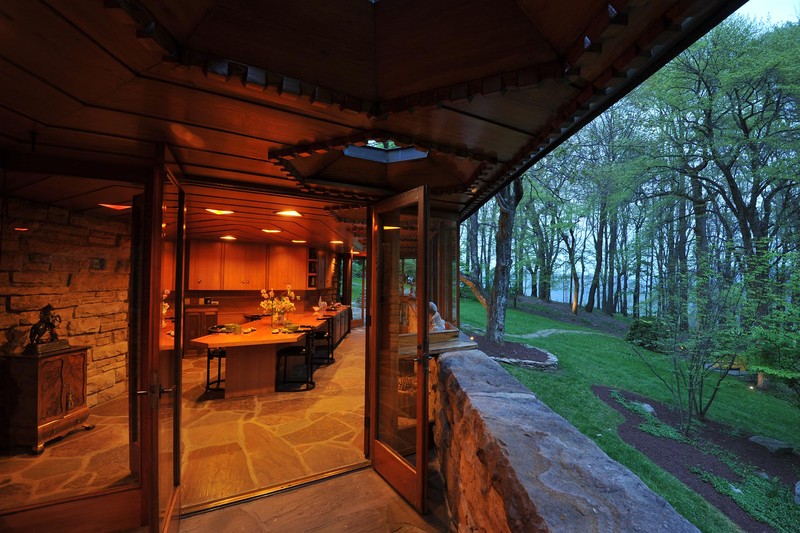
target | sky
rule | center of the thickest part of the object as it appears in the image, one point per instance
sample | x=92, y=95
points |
x=773, y=11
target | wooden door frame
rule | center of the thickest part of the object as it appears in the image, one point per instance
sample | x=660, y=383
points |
x=125, y=507
x=150, y=403
x=129, y=507
x=409, y=482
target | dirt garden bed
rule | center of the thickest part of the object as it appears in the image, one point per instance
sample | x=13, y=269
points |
x=680, y=459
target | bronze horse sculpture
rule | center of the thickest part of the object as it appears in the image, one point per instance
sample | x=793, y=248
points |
x=44, y=331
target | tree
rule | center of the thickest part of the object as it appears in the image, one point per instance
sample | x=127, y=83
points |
x=507, y=201
x=734, y=98
x=725, y=113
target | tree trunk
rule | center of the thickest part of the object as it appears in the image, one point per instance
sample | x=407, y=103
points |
x=507, y=201
x=608, y=305
x=473, y=264
x=477, y=289
x=570, y=244
x=598, y=250
x=637, y=270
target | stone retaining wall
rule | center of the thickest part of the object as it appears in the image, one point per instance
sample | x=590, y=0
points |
x=80, y=264
x=509, y=463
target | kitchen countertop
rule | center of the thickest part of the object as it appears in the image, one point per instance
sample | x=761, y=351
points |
x=263, y=331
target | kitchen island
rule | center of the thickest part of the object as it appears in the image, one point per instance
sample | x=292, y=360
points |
x=251, y=358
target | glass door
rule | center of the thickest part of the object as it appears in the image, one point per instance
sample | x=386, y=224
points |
x=398, y=343
x=169, y=354
x=159, y=378
x=358, y=300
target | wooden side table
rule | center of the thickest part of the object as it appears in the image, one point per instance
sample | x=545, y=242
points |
x=45, y=395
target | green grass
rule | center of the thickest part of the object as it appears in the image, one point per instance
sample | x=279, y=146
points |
x=598, y=359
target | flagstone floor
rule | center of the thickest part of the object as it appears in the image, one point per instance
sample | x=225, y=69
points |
x=230, y=448
x=80, y=463
x=239, y=446
x=358, y=501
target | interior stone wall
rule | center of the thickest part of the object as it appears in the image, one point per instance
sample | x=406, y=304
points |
x=79, y=264
x=510, y=463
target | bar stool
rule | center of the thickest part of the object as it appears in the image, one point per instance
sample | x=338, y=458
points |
x=218, y=354
x=323, y=354
x=306, y=353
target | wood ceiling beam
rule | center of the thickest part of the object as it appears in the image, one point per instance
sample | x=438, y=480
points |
x=266, y=189
x=150, y=33
x=465, y=91
x=62, y=166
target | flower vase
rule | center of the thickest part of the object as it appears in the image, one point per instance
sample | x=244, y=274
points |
x=278, y=320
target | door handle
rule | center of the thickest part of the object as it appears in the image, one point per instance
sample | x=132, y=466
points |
x=151, y=394
x=155, y=392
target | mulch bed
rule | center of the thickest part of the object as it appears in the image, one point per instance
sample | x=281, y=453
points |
x=510, y=350
x=678, y=458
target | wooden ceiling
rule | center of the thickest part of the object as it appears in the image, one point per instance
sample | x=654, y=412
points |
x=258, y=100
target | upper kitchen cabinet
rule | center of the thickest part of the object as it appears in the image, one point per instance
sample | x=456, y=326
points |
x=244, y=266
x=288, y=264
x=312, y=270
x=205, y=266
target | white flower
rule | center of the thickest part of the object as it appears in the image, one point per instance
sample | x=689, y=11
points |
x=278, y=304
x=164, y=304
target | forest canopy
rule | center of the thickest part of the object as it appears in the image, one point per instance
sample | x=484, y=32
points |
x=679, y=204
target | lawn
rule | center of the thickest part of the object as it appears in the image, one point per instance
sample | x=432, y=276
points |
x=589, y=358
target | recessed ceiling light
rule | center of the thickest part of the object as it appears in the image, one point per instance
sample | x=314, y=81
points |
x=298, y=241
x=337, y=242
x=288, y=213
x=271, y=230
x=219, y=211
x=391, y=227
x=116, y=207
x=228, y=238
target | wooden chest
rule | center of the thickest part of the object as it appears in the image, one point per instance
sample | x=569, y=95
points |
x=44, y=396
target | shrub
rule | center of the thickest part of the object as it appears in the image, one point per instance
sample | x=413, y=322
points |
x=648, y=332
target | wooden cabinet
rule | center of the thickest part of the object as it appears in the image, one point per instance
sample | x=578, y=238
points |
x=312, y=270
x=244, y=266
x=45, y=396
x=215, y=266
x=205, y=266
x=340, y=325
x=196, y=321
x=288, y=264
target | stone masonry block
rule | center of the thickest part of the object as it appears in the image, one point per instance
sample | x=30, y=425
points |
x=119, y=389
x=39, y=279
x=103, y=380
x=87, y=281
x=512, y=464
x=101, y=353
x=97, y=310
x=11, y=260
x=80, y=326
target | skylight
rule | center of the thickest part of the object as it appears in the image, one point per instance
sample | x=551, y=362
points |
x=385, y=152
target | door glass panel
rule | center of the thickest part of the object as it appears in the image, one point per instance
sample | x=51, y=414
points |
x=400, y=322
x=59, y=247
x=169, y=327
x=359, y=288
